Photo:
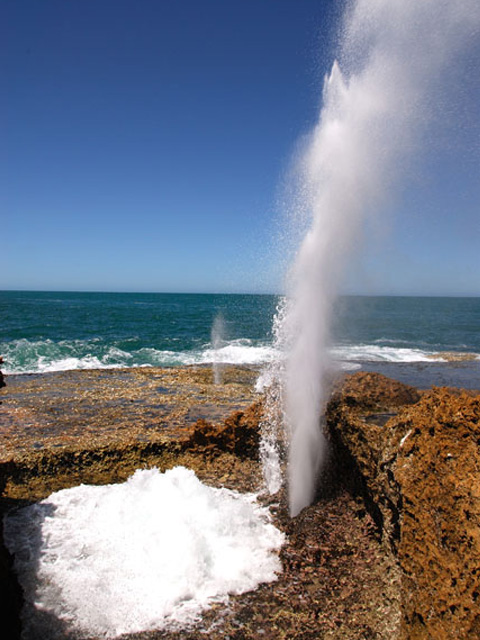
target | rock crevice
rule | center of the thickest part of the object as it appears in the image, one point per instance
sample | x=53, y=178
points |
x=419, y=473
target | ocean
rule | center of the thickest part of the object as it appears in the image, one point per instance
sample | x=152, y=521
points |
x=420, y=340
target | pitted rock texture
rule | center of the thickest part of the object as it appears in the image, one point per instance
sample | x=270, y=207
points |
x=419, y=470
x=338, y=582
x=357, y=419
x=431, y=471
x=239, y=434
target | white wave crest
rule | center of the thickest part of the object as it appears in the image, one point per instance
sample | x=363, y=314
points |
x=44, y=356
x=69, y=364
x=376, y=353
x=240, y=352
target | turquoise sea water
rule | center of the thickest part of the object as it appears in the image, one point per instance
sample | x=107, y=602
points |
x=52, y=331
x=55, y=331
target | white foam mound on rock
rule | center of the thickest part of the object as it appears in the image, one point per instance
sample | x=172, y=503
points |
x=146, y=554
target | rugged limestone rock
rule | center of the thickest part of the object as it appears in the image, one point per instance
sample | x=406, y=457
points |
x=373, y=392
x=337, y=583
x=239, y=434
x=356, y=419
x=413, y=457
x=431, y=472
x=419, y=470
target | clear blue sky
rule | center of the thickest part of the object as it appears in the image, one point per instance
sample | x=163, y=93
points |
x=144, y=145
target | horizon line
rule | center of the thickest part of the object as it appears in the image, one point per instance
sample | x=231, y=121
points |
x=239, y=293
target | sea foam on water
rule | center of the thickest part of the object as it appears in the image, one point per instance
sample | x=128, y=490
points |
x=146, y=554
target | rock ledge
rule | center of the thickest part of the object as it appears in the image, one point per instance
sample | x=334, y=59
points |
x=416, y=461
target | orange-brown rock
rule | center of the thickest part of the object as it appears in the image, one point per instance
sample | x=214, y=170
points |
x=98, y=427
x=238, y=434
x=356, y=418
x=370, y=392
x=430, y=470
x=419, y=469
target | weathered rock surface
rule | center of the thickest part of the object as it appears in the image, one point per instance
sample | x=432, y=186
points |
x=337, y=583
x=413, y=457
x=109, y=408
x=239, y=434
x=418, y=466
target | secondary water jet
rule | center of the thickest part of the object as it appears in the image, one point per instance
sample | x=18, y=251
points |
x=377, y=103
x=217, y=340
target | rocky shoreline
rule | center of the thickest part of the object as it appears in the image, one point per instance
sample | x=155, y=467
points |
x=390, y=549
x=415, y=459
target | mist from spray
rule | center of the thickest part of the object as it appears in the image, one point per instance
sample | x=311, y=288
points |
x=217, y=339
x=377, y=101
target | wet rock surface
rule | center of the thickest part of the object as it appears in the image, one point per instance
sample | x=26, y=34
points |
x=338, y=580
x=337, y=583
x=109, y=407
x=404, y=466
x=416, y=462
x=390, y=549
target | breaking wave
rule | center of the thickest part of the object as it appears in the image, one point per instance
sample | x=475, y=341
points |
x=42, y=356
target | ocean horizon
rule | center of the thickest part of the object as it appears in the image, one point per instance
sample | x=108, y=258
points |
x=48, y=331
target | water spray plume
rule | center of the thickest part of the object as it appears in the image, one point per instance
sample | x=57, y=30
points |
x=217, y=339
x=377, y=101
